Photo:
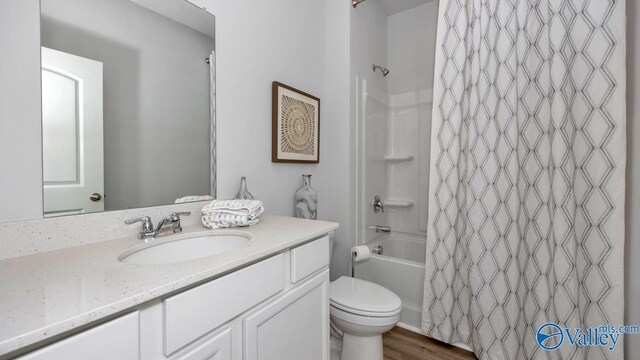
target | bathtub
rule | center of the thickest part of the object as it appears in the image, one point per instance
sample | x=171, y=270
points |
x=400, y=269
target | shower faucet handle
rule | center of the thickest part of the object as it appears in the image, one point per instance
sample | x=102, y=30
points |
x=378, y=206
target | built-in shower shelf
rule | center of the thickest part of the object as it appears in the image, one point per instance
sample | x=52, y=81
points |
x=398, y=203
x=399, y=157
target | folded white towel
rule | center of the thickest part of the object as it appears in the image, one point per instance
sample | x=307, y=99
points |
x=193, y=198
x=231, y=213
x=235, y=207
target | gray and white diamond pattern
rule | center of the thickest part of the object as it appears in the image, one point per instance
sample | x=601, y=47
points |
x=527, y=174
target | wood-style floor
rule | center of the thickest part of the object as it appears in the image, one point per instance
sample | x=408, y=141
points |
x=401, y=344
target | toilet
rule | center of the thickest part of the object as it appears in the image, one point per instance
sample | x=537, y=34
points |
x=363, y=311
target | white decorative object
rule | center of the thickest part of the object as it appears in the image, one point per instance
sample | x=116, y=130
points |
x=306, y=200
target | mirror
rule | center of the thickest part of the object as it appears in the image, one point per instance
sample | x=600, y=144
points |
x=127, y=104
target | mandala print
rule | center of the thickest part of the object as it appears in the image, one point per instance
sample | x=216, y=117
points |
x=298, y=127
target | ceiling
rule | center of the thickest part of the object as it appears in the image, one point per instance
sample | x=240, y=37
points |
x=395, y=6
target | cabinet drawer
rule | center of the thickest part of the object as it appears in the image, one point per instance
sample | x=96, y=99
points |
x=309, y=258
x=195, y=312
x=117, y=339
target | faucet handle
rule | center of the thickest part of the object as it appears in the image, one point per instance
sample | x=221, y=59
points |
x=176, y=215
x=146, y=224
x=175, y=218
x=377, y=204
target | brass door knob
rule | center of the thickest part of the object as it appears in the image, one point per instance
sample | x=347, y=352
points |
x=95, y=197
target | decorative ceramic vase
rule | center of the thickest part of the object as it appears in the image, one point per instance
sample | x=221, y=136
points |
x=243, y=193
x=306, y=200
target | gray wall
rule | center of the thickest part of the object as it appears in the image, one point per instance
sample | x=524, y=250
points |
x=156, y=96
x=632, y=248
x=411, y=49
x=20, y=137
x=304, y=44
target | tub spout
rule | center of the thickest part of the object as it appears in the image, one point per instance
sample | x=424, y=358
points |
x=380, y=228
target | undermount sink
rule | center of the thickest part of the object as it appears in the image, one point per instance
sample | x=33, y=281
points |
x=169, y=250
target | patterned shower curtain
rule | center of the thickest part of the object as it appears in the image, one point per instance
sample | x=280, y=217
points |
x=526, y=218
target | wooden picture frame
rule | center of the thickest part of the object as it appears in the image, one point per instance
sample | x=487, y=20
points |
x=295, y=126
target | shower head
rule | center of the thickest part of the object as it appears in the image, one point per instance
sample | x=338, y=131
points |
x=383, y=70
x=355, y=3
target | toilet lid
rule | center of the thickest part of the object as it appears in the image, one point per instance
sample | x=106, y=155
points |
x=363, y=296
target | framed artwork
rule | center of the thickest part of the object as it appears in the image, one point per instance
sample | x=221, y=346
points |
x=295, y=126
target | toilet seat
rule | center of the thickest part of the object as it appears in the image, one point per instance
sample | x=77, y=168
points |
x=363, y=298
x=367, y=321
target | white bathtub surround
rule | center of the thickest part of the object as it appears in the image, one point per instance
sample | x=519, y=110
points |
x=371, y=174
x=394, y=159
x=527, y=176
x=408, y=180
x=53, y=292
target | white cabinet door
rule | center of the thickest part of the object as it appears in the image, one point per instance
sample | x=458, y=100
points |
x=216, y=348
x=293, y=327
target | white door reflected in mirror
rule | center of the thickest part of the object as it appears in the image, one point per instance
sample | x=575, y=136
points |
x=72, y=134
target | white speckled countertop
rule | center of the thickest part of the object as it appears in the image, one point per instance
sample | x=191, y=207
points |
x=49, y=293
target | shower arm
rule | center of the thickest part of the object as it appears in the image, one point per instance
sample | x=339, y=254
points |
x=355, y=3
x=383, y=70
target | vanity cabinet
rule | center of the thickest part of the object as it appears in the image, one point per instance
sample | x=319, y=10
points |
x=274, y=309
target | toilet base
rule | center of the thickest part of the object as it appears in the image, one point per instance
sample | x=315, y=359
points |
x=361, y=347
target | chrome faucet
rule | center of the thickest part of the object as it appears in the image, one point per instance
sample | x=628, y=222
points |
x=146, y=227
x=377, y=204
x=380, y=228
x=147, y=231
